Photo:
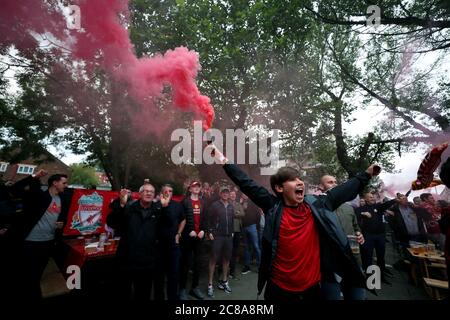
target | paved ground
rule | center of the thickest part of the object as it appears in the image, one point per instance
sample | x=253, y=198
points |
x=244, y=286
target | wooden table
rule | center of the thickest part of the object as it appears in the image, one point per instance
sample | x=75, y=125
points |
x=436, y=260
x=78, y=255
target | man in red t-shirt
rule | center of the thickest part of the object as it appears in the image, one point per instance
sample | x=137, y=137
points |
x=302, y=241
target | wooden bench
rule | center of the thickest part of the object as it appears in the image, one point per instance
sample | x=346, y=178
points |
x=436, y=284
x=437, y=265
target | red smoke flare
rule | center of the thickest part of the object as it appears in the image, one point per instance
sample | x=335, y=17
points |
x=105, y=41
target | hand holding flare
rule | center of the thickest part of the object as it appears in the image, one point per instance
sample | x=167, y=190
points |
x=218, y=156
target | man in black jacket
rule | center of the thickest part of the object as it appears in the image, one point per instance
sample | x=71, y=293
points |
x=169, y=247
x=221, y=228
x=11, y=211
x=302, y=241
x=191, y=240
x=407, y=222
x=371, y=220
x=45, y=214
x=139, y=222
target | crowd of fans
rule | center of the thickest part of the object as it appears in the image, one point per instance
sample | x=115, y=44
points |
x=299, y=243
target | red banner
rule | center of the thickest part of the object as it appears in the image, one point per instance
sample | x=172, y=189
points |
x=89, y=209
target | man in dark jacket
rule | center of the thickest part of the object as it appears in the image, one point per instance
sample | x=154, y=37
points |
x=139, y=222
x=371, y=221
x=169, y=247
x=407, y=222
x=302, y=241
x=45, y=214
x=11, y=211
x=191, y=240
x=250, y=232
x=221, y=227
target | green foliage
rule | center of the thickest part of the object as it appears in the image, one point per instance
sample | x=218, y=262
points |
x=265, y=63
x=84, y=175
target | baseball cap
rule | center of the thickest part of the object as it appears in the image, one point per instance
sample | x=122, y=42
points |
x=195, y=183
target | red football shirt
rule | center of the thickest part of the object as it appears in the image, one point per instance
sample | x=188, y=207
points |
x=196, y=209
x=297, y=262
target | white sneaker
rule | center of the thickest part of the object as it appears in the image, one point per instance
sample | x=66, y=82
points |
x=210, y=291
x=223, y=285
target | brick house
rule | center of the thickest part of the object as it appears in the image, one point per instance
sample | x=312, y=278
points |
x=17, y=171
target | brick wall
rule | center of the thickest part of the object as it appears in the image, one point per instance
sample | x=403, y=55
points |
x=52, y=167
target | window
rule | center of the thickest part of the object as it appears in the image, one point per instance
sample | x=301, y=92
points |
x=3, y=166
x=25, y=169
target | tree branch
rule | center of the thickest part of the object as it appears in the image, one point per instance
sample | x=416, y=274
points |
x=391, y=106
x=404, y=21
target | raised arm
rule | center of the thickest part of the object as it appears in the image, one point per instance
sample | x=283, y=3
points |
x=257, y=193
x=32, y=181
x=386, y=205
x=348, y=190
x=116, y=219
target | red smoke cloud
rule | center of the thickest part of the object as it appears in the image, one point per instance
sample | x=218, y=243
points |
x=104, y=40
x=19, y=17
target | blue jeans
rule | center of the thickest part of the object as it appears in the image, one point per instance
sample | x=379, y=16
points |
x=332, y=291
x=251, y=238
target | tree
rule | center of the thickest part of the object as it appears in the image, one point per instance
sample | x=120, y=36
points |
x=246, y=51
x=425, y=22
x=84, y=175
x=265, y=64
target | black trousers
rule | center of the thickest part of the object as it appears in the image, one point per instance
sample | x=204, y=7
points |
x=190, y=256
x=9, y=270
x=136, y=284
x=377, y=242
x=168, y=268
x=34, y=258
x=275, y=293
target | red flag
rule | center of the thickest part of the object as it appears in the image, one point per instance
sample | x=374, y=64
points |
x=427, y=168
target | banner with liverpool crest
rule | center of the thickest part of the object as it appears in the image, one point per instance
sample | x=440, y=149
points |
x=89, y=209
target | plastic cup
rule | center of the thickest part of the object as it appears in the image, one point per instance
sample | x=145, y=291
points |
x=354, y=245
